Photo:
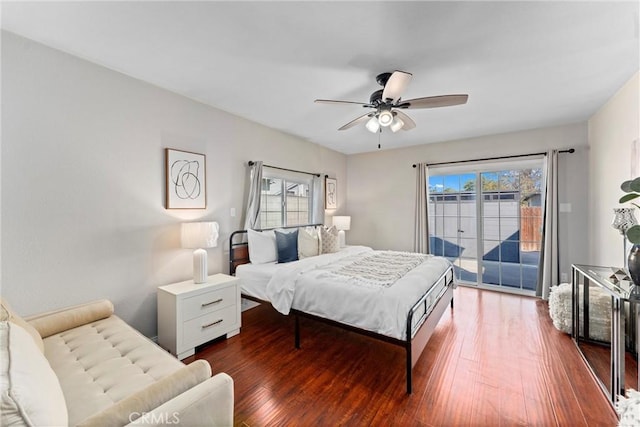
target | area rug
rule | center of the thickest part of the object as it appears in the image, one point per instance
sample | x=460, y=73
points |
x=629, y=409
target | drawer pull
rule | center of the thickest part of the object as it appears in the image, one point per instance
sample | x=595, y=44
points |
x=211, y=324
x=206, y=304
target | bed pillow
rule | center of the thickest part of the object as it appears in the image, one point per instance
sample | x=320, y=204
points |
x=262, y=246
x=308, y=242
x=287, y=244
x=329, y=240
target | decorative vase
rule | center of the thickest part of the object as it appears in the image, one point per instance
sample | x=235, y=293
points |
x=634, y=264
x=623, y=219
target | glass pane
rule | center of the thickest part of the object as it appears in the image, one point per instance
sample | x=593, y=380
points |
x=489, y=181
x=530, y=181
x=298, y=203
x=450, y=208
x=467, y=206
x=509, y=229
x=529, y=277
x=451, y=183
x=510, y=251
x=468, y=227
x=468, y=248
x=530, y=253
x=491, y=272
x=436, y=184
x=436, y=245
x=530, y=229
x=271, y=203
x=450, y=247
x=439, y=228
x=491, y=228
x=508, y=181
x=451, y=227
x=490, y=208
x=468, y=269
x=509, y=207
x=491, y=250
x=510, y=275
x=468, y=183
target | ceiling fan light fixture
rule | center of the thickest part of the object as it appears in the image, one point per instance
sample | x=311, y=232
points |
x=385, y=118
x=396, y=125
x=372, y=125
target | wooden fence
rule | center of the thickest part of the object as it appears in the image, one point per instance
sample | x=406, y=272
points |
x=530, y=228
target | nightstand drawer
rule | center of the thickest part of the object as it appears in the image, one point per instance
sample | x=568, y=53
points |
x=209, y=326
x=208, y=303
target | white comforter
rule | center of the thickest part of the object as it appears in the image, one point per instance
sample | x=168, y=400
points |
x=311, y=285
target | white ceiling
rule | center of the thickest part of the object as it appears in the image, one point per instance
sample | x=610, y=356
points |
x=524, y=64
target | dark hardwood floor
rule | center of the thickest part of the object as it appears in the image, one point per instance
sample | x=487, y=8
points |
x=494, y=360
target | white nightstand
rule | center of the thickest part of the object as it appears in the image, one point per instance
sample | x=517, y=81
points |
x=191, y=314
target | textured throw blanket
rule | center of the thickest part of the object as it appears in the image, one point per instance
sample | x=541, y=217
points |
x=383, y=268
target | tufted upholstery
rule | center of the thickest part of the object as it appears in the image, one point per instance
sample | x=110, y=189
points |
x=109, y=374
x=102, y=362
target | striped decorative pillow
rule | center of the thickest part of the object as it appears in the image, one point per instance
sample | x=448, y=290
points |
x=329, y=241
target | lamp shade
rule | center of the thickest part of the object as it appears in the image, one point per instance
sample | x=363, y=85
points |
x=197, y=235
x=342, y=222
x=372, y=125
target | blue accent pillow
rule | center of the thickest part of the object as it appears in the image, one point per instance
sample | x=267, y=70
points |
x=287, y=244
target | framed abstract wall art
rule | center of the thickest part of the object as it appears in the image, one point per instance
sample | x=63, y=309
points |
x=185, y=180
x=330, y=193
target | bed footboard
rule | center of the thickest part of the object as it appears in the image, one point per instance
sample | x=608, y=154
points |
x=418, y=334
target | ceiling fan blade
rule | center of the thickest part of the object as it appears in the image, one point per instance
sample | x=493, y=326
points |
x=331, y=101
x=354, y=122
x=396, y=85
x=408, y=121
x=434, y=101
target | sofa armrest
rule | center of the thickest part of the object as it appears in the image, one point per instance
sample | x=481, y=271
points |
x=208, y=404
x=152, y=396
x=54, y=322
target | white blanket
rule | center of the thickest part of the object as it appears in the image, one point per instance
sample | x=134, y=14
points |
x=312, y=286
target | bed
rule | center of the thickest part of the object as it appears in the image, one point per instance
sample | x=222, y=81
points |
x=347, y=289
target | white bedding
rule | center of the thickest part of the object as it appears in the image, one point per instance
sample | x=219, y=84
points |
x=309, y=285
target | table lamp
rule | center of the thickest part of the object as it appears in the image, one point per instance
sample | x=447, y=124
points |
x=198, y=236
x=342, y=223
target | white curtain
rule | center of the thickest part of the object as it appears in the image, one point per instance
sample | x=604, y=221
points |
x=548, y=268
x=252, y=218
x=317, y=196
x=421, y=231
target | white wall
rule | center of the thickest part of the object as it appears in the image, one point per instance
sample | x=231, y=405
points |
x=381, y=185
x=83, y=181
x=611, y=132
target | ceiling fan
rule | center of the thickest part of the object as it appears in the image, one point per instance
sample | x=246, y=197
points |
x=386, y=104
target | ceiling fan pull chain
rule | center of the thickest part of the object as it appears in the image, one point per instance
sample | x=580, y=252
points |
x=379, y=134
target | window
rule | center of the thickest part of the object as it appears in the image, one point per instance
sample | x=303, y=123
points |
x=284, y=202
x=487, y=219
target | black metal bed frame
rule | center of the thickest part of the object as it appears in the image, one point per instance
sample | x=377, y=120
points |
x=417, y=335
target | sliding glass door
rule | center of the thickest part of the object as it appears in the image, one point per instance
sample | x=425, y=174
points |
x=488, y=222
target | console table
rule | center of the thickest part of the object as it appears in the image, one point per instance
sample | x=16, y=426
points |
x=591, y=286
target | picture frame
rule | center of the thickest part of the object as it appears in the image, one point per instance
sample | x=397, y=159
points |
x=330, y=193
x=185, y=186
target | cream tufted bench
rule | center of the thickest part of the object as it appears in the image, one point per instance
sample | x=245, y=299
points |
x=91, y=368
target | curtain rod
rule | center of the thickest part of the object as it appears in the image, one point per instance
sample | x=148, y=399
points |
x=570, y=150
x=251, y=163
